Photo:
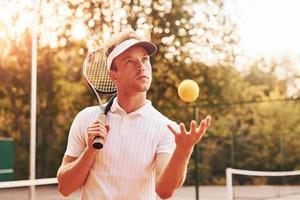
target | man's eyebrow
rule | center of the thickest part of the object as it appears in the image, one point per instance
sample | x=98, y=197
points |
x=126, y=57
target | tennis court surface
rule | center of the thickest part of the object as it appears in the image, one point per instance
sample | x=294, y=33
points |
x=184, y=193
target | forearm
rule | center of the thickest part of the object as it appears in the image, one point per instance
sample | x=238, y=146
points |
x=173, y=174
x=73, y=175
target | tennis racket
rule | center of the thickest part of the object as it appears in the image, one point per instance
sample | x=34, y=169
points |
x=96, y=76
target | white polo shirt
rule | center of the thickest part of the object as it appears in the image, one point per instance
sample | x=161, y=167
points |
x=124, y=168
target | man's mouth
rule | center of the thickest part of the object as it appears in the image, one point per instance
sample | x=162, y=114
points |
x=142, y=77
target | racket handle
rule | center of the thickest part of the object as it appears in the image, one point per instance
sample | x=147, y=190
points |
x=98, y=142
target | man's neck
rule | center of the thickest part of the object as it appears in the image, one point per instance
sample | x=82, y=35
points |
x=131, y=103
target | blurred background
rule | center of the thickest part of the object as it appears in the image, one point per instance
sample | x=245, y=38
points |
x=243, y=54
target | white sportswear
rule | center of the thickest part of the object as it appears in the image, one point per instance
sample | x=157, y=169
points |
x=124, y=168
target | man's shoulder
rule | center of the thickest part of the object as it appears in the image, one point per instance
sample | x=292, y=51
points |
x=155, y=114
x=88, y=111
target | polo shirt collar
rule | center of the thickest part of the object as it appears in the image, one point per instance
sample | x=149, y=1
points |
x=142, y=111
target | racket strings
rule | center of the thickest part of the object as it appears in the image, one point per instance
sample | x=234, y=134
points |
x=97, y=74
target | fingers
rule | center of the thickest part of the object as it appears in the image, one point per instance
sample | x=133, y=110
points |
x=97, y=132
x=182, y=128
x=205, y=123
x=107, y=127
x=101, y=123
x=96, y=123
x=185, y=140
x=208, y=120
x=202, y=127
x=193, y=126
x=172, y=129
x=98, y=128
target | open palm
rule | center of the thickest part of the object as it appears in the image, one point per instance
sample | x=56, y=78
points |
x=185, y=140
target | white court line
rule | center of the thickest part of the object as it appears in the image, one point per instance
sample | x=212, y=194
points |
x=24, y=183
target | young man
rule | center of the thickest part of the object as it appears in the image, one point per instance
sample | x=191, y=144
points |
x=144, y=154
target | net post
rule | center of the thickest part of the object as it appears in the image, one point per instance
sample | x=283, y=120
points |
x=196, y=152
x=229, y=184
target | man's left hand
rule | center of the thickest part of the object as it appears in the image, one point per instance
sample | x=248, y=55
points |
x=186, y=140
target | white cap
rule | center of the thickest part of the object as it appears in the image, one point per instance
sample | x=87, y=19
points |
x=149, y=46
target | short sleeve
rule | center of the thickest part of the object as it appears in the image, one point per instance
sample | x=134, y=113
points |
x=76, y=139
x=167, y=140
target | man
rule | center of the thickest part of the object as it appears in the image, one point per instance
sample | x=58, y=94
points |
x=144, y=153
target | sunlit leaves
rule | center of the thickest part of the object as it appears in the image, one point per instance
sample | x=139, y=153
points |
x=195, y=40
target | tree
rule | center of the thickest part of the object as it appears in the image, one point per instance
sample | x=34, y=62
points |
x=250, y=128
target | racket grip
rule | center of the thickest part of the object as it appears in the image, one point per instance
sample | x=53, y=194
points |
x=98, y=142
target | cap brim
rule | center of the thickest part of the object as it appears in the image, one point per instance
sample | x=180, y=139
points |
x=148, y=46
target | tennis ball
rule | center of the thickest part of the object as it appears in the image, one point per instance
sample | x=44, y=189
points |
x=188, y=90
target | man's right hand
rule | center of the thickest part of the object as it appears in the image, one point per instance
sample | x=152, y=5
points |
x=74, y=171
x=97, y=129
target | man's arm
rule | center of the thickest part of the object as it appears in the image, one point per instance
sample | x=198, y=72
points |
x=171, y=169
x=74, y=171
x=171, y=172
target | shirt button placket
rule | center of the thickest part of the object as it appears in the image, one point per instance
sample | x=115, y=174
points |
x=124, y=125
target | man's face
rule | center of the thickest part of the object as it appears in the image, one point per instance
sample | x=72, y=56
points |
x=134, y=72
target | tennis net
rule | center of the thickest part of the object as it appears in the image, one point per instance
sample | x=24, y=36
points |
x=259, y=185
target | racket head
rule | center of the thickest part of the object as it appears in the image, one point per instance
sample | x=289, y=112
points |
x=96, y=74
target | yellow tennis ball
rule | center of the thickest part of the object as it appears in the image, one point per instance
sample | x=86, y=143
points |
x=188, y=90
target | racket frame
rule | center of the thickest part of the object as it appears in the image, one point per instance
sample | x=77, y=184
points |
x=98, y=141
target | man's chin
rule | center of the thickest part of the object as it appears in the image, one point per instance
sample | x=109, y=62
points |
x=144, y=88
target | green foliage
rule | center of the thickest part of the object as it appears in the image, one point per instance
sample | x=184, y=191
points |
x=244, y=134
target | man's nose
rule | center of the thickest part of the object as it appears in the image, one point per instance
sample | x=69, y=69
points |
x=140, y=65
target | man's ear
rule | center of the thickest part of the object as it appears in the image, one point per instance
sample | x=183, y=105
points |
x=113, y=75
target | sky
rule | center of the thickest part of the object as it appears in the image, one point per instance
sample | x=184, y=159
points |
x=268, y=27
